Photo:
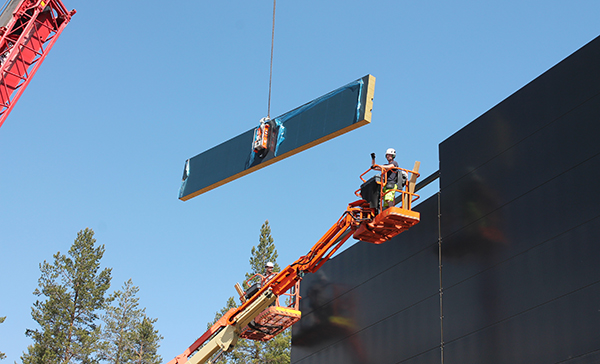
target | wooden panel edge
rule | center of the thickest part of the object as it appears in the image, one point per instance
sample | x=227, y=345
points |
x=370, y=94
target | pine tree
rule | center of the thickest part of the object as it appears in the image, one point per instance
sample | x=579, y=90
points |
x=277, y=350
x=73, y=289
x=146, y=342
x=120, y=320
x=2, y=355
x=263, y=253
x=128, y=335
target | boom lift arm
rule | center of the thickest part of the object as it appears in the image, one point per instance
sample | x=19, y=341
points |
x=363, y=219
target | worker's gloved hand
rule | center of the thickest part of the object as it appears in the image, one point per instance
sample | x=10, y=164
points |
x=373, y=155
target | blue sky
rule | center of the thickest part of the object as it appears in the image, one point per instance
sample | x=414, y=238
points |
x=132, y=89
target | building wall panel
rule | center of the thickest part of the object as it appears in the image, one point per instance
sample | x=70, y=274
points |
x=519, y=222
x=558, y=91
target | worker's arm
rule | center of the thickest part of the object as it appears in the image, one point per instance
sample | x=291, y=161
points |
x=378, y=167
x=384, y=166
x=373, y=164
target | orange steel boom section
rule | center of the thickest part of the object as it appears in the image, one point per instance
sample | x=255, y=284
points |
x=359, y=218
x=28, y=30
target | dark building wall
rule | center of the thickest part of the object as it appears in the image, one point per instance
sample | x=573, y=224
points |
x=356, y=309
x=520, y=225
x=520, y=232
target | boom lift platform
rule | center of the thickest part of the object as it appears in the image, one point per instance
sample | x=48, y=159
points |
x=276, y=317
x=28, y=30
x=261, y=316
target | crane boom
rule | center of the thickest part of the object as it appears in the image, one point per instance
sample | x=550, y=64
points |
x=28, y=30
x=364, y=219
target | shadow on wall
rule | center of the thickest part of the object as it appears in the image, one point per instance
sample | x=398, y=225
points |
x=329, y=318
x=477, y=231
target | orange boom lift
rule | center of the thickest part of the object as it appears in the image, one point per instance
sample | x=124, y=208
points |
x=261, y=316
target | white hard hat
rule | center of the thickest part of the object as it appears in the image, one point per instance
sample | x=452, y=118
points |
x=269, y=265
x=391, y=151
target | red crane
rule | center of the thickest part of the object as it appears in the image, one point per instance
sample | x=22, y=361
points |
x=28, y=30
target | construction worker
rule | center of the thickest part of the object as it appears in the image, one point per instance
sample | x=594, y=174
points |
x=269, y=274
x=389, y=196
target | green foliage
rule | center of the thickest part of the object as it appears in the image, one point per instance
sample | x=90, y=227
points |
x=146, y=342
x=264, y=252
x=277, y=350
x=128, y=335
x=2, y=355
x=72, y=290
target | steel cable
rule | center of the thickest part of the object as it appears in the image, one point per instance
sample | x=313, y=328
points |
x=271, y=67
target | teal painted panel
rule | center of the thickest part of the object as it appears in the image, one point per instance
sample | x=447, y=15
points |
x=313, y=123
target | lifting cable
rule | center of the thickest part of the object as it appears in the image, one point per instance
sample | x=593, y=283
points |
x=271, y=67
